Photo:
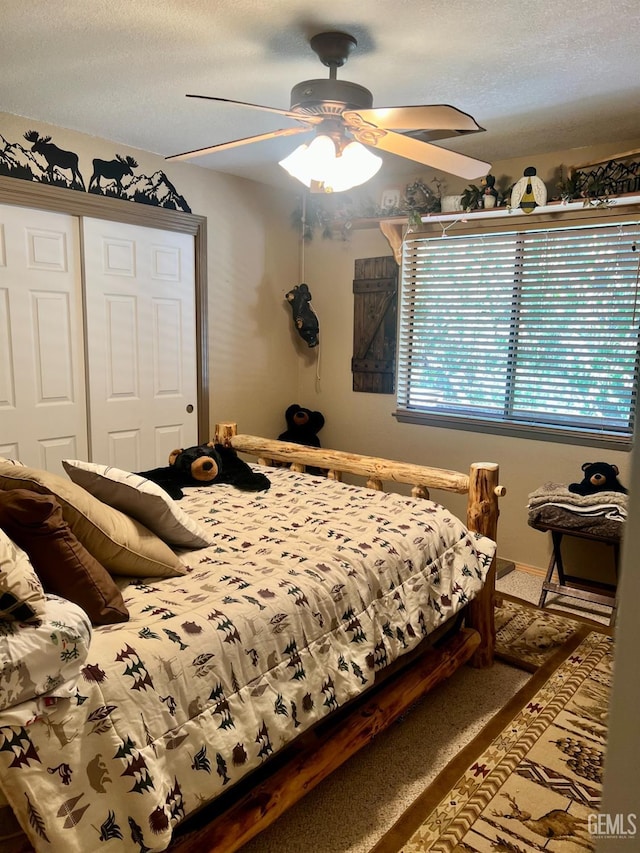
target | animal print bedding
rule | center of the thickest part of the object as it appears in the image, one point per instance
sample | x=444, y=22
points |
x=309, y=589
x=43, y=658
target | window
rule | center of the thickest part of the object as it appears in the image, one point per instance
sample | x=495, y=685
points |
x=524, y=332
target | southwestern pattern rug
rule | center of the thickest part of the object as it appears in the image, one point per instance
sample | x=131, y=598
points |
x=531, y=779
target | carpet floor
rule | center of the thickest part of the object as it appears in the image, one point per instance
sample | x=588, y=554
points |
x=353, y=809
x=533, y=777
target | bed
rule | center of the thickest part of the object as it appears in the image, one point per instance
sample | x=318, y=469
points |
x=316, y=614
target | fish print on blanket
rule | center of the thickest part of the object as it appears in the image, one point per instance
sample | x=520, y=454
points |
x=307, y=591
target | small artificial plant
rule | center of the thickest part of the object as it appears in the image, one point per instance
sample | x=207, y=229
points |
x=471, y=198
x=590, y=187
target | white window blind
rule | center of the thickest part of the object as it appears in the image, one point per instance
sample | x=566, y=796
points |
x=537, y=328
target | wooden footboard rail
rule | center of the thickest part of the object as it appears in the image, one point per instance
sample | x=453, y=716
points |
x=480, y=485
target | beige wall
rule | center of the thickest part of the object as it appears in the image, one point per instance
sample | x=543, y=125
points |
x=363, y=422
x=622, y=763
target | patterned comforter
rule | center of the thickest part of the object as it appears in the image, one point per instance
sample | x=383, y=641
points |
x=310, y=589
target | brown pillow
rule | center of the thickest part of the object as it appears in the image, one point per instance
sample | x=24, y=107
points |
x=65, y=567
x=121, y=544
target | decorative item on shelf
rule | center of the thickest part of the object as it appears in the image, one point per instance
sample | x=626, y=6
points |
x=451, y=204
x=489, y=192
x=334, y=214
x=414, y=220
x=472, y=198
x=568, y=186
x=598, y=180
x=597, y=186
x=390, y=201
x=504, y=195
x=333, y=221
x=529, y=191
x=419, y=198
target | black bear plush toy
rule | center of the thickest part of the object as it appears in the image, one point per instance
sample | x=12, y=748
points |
x=598, y=477
x=303, y=426
x=205, y=464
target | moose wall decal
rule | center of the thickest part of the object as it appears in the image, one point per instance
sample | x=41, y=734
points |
x=111, y=170
x=56, y=157
x=41, y=161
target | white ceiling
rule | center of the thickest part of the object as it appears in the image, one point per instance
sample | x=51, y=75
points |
x=539, y=75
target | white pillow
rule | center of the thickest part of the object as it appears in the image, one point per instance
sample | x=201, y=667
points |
x=141, y=499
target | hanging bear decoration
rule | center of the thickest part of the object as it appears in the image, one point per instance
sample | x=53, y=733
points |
x=304, y=317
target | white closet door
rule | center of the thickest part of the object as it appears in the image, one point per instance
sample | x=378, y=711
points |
x=141, y=347
x=42, y=382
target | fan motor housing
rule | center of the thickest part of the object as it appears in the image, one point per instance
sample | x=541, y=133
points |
x=329, y=97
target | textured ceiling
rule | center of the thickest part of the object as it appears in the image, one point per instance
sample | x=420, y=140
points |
x=539, y=75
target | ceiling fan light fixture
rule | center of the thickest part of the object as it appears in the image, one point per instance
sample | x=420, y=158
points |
x=358, y=164
x=323, y=164
x=339, y=110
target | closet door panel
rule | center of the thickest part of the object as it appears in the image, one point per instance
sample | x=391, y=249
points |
x=140, y=307
x=42, y=380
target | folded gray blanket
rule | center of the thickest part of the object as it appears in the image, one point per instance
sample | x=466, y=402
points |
x=554, y=516
x=611, y=505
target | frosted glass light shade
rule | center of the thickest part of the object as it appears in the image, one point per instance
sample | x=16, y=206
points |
x=319, y=162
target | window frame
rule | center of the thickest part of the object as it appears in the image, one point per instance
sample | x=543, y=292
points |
x=553, y=216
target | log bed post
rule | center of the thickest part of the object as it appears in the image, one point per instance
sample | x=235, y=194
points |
x=482, y=517
x=224, y=432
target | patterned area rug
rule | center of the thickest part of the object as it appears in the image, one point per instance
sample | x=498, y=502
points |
x=532, y=778
x=527, y=637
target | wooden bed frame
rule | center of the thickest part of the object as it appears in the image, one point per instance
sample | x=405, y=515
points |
x=256, y=802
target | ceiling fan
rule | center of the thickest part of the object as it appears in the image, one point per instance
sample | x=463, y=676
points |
x=343, y=112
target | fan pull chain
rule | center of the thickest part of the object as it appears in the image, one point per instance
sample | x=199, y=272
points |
x=302, y=277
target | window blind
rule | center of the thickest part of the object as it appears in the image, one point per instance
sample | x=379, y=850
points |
x=538, y=327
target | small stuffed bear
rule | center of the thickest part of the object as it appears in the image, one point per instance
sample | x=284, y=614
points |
x=598, y=477
x=302, y=426
x=205, y=464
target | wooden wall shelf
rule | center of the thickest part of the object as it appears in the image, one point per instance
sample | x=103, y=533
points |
x=395, y=228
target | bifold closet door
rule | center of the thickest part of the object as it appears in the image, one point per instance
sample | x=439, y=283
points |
x=141, y=346
x=42, y=379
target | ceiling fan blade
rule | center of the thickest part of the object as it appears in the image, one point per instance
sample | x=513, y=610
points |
x=423, y=152
x=288, y=113
x=236, y=143
x=434, y=117
x=433, y=135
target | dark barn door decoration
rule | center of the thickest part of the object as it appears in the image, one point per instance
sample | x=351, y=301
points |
x=375, y=297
